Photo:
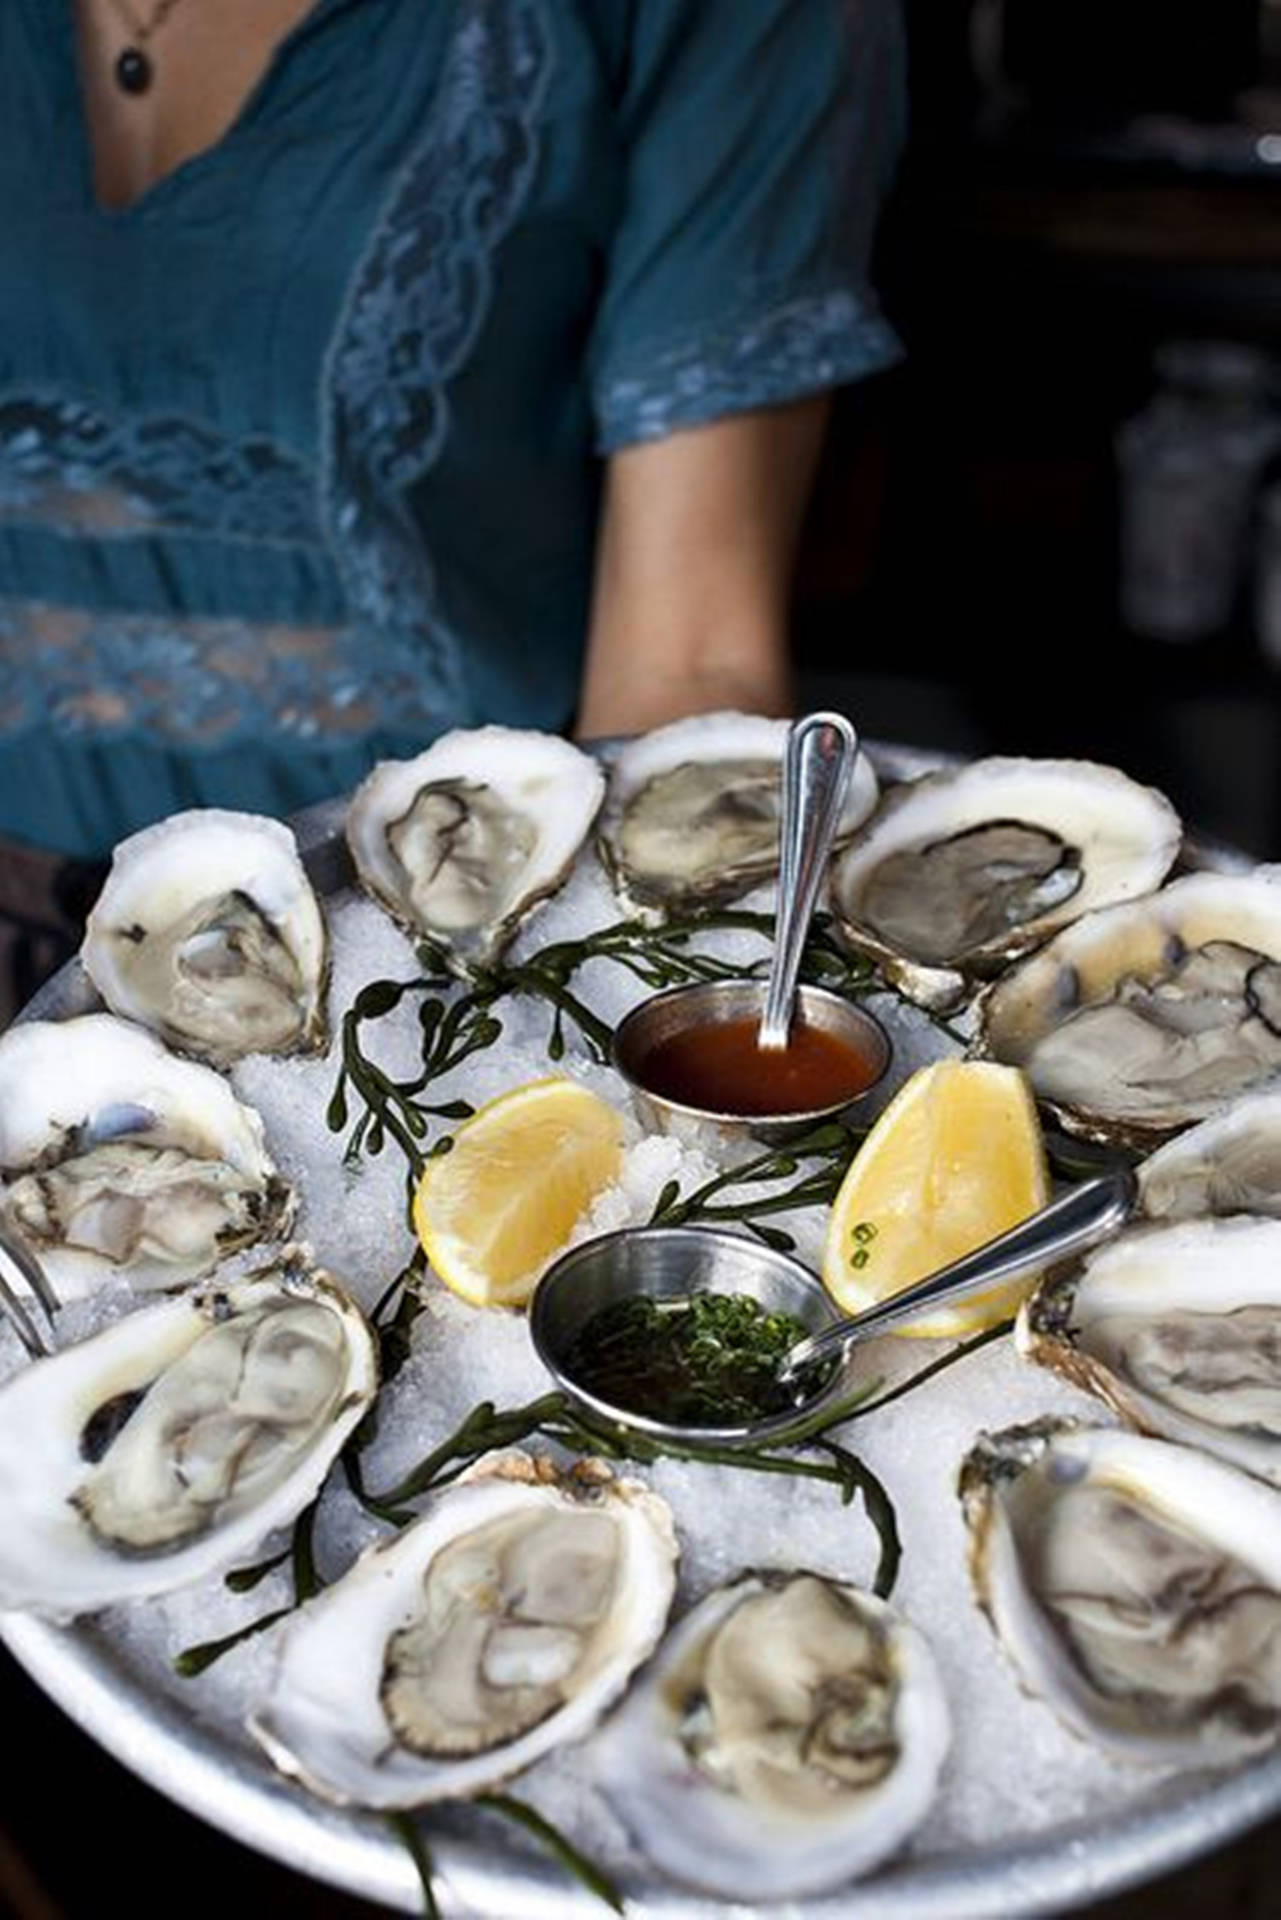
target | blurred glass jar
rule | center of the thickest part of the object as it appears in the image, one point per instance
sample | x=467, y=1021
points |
x=1189, y=467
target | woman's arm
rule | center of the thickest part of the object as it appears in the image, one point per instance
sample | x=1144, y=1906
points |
x=694, y=568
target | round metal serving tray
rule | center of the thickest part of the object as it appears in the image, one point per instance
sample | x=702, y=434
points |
x=94, y=1680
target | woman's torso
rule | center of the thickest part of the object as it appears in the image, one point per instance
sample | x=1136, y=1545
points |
x=294, y=449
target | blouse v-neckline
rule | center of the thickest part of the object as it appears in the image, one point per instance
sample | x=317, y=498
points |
x=174, y=183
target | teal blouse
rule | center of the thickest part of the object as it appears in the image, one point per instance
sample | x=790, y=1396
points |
x=299, y=453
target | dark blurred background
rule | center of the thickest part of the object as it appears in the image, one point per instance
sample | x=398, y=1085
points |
x=1057, y=527
x=1054, y=530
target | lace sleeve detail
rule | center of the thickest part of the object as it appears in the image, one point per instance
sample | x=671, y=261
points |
x=803, y=346
x=416, y=305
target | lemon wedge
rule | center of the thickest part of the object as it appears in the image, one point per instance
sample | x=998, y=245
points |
x=955, y=1159
x=493, y=1211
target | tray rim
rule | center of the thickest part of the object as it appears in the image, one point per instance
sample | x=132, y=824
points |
x=235, y=1789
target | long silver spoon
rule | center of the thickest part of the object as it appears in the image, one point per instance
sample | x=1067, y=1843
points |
x=14, y=1306
x=1079, y=1219
x=817, y=764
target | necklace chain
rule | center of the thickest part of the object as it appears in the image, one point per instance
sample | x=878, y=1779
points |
x=140, y=31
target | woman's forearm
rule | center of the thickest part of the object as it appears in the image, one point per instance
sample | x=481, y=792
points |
x=694, y=569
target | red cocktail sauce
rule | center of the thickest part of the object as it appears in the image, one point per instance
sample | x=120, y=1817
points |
x=720, y=1069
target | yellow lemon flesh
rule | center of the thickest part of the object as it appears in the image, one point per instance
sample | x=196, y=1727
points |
x=493, y=1212
x=955, y=1159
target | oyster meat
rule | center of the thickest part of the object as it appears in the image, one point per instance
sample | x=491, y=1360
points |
x=1178, y=1329
x=119, y=1158
x=169, y=1445
x=500, y=1624
x=788, y=1736
x=692, y=814
x=960, y=871
x=1134, y=1584
x=207, y=930
x=1143, y=1017
x=464, y=841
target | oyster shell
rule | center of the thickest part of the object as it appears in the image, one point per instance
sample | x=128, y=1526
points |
x=169, y=1445
x=501, y=1623
x=119, y=1158
x=1141, y=1018
x=1135, y=1586
x=1178, y=1329
x=1230, y=1163
x=207, y=931
x=788, y=1736
x=692, y=813
x=961, y=871
x=464, y=841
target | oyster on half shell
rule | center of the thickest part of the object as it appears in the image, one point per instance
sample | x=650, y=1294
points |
x=692, y=813
x=501, y=1623
x=1135, y=1586
x=117, y=1157
x=1178, y=1329
x=1141, y=1018
x=170, y=1444
x=959, y=872
x=1229, y=1163
x=464, y=841
x=788, y=1736
x=208, y=931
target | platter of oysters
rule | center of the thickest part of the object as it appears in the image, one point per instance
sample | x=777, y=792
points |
x=304, y=1534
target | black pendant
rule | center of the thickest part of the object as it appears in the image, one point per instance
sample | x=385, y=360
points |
x=133, y=71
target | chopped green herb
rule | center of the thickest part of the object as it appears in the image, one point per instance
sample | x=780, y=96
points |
x=697, y=1360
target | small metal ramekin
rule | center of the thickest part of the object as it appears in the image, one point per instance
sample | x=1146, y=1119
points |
x=712, y=1003
x=667, y=1263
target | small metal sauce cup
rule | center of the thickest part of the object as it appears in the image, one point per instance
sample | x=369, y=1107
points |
x=669, y=1263
x=712, y=1003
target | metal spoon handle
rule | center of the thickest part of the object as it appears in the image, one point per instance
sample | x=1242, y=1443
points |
x=14, y=1307
x=1077, y=1220
x=817, y=764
